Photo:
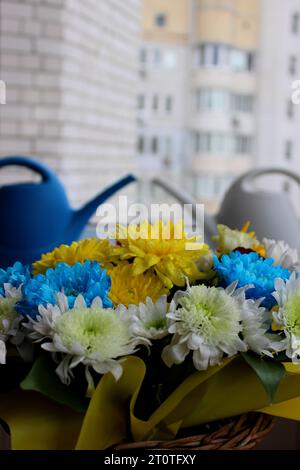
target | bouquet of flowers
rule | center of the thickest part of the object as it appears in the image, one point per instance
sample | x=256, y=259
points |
x=138, y=339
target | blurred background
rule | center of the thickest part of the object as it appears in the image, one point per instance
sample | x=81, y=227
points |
x=193, y=91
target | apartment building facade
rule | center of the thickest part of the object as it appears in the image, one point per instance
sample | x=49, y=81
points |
x=213, y=80
x=278, y=115
x=162, y=107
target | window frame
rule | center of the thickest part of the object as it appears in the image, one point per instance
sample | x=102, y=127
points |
x=154, y=145
x=160, y=20
x=169, y=101
x=141, y=144
x=288, y=149
x=293, y=65
x=295, y=23
x=141, y=101
x=155, y=102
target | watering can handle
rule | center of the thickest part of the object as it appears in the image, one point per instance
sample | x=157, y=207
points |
x=27, y=163
x=268, y=171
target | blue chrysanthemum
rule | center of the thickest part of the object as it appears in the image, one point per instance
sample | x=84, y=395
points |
x=14, y=275
x=250, y=268
x=87, y=279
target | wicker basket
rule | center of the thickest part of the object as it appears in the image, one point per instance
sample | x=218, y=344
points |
x=239, y=433
x=243, y=432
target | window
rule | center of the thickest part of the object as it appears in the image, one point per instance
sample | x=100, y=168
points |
x=141, y=102
x=168, y=147
x=239, y=60
x=222, y=55
x=243, y=145
x=290, y=109
x=170, y=59
x=160, y=20
x=242, y=103
x=212, y=55
x=155, y=103
x=215, y=54
x=201, y=54
x=169, y=104
x=219, y=100
x=212, y=143
x=143, y=55
x=197, y=56
x=250, y=61
x=293, y=65
x=217, y=143
x=204, y=142
x=197, y=142
x=208, y=99
x=157, y=56
x=288, y=151
x=242, y=61
x=154, y=145
x=141, y=144
x=295, y=23
x=201, y=100
x=207, y=55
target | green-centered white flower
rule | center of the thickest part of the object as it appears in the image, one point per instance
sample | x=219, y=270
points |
x=256, y=323
x=9, y=319
x=287, y=295
x=149, y=319
x=282, y=254
x=206, y=321
x=97, y=337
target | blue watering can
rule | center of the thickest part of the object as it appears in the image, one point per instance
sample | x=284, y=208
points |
x=37, y=217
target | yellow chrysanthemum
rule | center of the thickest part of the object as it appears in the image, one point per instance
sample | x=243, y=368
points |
x=228, y=240
x=127, y=289
x=90, y=249
x=165, y=248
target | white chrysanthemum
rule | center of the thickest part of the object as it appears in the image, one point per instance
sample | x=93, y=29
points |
x=287, y=295
x=9, y=319
x=256, y=323
x=207, y=321
x=94, y=336
x=149, y=319
x=282, y=254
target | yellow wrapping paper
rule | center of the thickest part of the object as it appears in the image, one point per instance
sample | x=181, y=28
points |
x=106, y=420
x=37, y=423
x=227, y=390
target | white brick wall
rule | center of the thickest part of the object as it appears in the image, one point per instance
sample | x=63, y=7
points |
x=70, y=68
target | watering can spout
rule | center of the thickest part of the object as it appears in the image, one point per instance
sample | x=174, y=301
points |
x=82, y=216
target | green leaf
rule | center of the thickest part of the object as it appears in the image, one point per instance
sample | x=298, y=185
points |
x=43, y=379
x=268, y=371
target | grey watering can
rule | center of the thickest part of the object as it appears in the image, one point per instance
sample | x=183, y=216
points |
x=271, y=213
